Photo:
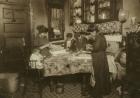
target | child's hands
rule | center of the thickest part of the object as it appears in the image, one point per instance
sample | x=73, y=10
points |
x=89, y=47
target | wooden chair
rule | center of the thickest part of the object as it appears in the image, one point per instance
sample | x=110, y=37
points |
x=34, y=76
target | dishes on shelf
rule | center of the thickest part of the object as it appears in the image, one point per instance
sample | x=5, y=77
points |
x=105, y=10
x=76, y=11
x=104, y=14
x=91, y=11
x=77, y=3
x=92, y=1
x=104, y=4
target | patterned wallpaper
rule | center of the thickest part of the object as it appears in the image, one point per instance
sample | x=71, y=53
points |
x=80, y=28
x=108, y=27
x=134, y=28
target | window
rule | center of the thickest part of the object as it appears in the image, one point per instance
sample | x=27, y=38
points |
x=56, y=20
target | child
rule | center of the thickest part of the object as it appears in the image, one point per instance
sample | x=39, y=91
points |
x=121, y=68
x=70, y=43
x=81, y=41
x=36, y=60
x=121, y=65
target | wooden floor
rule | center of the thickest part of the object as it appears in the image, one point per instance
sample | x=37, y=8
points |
x=70, y=91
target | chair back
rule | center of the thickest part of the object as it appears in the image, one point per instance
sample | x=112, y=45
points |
x=33, y=71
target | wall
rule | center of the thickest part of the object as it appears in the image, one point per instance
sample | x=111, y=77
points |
x=38, y=15
x=133, y=6
x=68, y=28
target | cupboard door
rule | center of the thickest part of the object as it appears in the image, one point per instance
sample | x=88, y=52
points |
x=89, y=8
x=76, y=12
x=15, y=29
x=106, y=10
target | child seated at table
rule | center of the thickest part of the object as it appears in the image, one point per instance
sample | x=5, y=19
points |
x=70, y=43
x=81, y=41
x=36, y=59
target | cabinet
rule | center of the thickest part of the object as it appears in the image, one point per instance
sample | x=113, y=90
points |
x=14, y=37
x=89, y=7
x=94, y=11
x=76, y=8
x=106, y=10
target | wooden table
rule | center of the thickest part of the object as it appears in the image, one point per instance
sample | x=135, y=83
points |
x=64, y=65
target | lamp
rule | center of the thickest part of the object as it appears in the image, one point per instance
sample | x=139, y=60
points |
x=123, y=16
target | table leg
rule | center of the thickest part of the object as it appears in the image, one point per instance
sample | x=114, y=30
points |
x=52, y=85
x=84, y=88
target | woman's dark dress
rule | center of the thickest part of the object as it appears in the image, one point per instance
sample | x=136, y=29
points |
x=100, y=65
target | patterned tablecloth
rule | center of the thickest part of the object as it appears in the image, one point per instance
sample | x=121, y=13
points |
x=69, y=63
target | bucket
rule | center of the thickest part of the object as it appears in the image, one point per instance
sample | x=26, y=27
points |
x=59, y=88
x=12, y=82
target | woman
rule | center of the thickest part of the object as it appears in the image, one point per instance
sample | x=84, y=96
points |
x=100, y=65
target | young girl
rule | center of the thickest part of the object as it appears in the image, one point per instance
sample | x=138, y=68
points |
x=36, y=60
x=70, y=43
